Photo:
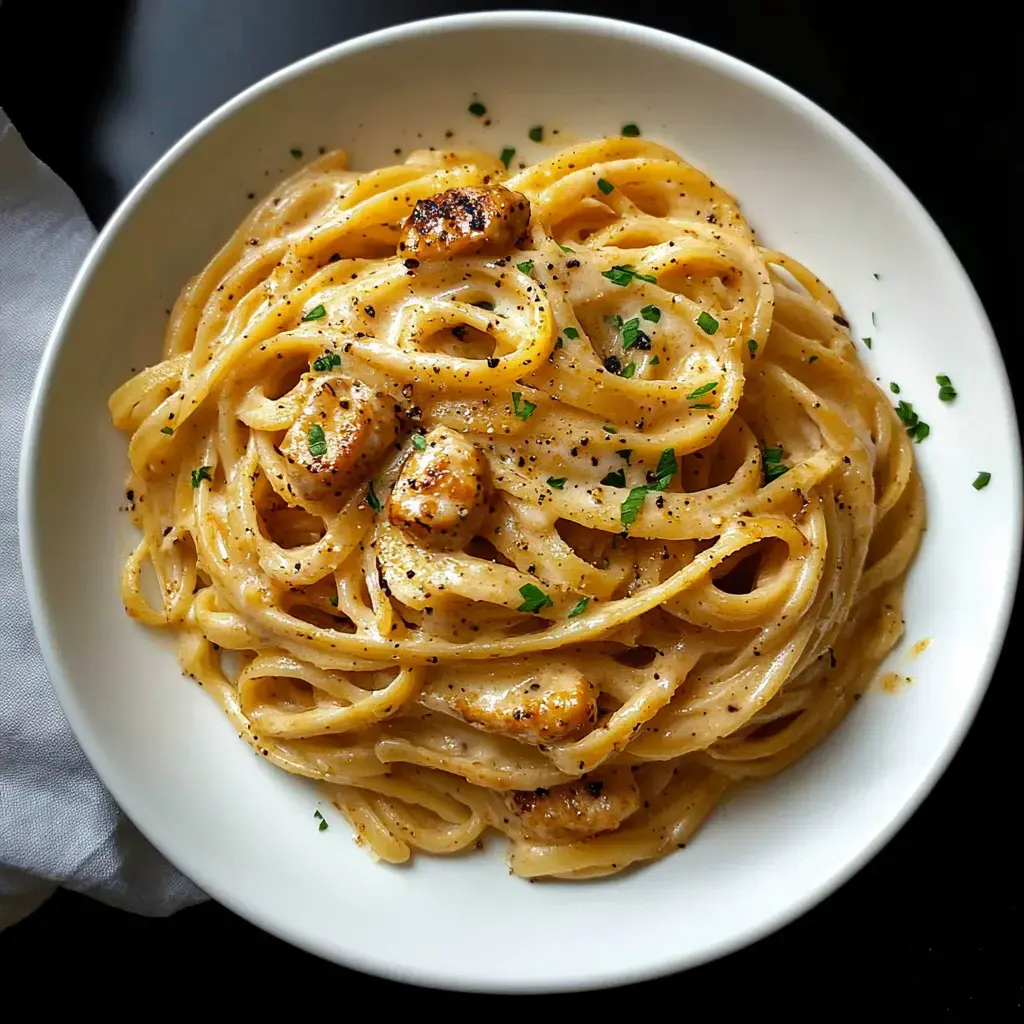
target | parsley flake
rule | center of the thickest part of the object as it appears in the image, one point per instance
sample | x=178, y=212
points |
x=946, y=390
x=707, y=323
x=526, y=267
x=534, y=599
x=702, y=390
x=771, y=462
x=752, y=345
x=571, y=332
x=579, y=607
x=655, y=360
x=316, y=442
x=326, y=362
x=477, y=109
x=622, y=274
x=631, y=131
x=201, y=474
x=323, y=821
x=564, y=248
x=297, y=153
x=371, y=498
x=557, y=482
x=334, y=600
x=625, y=453
x=506, y=155
x=167, y=430
x=419, y=442
x=630, y=508
x=605, y=186
x=630, y=333
x=521, y=407
x=536, y=133
x=894, y=387
x=628, y=370
x=981, y=480
x=867, y=341
x=667, y=466
x=316, y=313
x=616, y=478
x=651, y=314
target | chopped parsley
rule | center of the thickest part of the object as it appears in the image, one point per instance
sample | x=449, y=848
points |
x=616, y=478
x=167, y=430
x=371, y=498
x=630, y=508
x=667, y=466
x=771, y=461
x=559, y=343
x=707, y=323
x=813, y=359
x=608, y=428
x=477, y=109
x=625, y=453
x=558, y=482
x=522, y=408
x=326, y=361
x=630, y=333
x=506, y=155
x=579, y=607
x=605, y=186
x=534, y=599
x=655, y=360
x=628, y=370
x=526, y=267
x=867, y=341
x=334, y=600
x=630, y=131
x=419, y=442
x=614, y=319
x=701, y=405
x=702, y=390
x=297, y=153
x=201, y=474
x=651, y=314
x=981, y=480
x=622, y=274
x=752, y=345
x=316, y=442
x=323, y=821
x=571, y=332
x=564, y=248
x=946, y=390
x=316, y=313
x=536, y=133
x=484, y=304
x=916, y=427
x=894, y=387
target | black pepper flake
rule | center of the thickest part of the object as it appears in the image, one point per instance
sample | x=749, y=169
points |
x=841, y=320
x=613, y=364
x=492, y=362
x=411, y=263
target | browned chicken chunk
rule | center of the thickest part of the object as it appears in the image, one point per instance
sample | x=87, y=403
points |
x=440, y=495
x=486, y=220
x=599, y=802
x=343, y=429
x=536, y=701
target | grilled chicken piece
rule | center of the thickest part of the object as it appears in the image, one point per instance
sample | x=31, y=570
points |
x=534, y=701
x=439, y=497
x=343, y=429
x=487, y=220
x=599, y=802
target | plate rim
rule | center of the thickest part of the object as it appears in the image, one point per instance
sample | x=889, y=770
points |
x=685, y=49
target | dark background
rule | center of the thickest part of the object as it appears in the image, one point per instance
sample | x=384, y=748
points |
x=100, y=90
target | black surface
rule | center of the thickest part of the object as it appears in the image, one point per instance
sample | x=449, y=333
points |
x=923, y=931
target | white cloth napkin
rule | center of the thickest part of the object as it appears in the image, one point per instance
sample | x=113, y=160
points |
x=58, y=824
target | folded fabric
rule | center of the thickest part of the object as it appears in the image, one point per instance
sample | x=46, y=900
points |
x=58, y=824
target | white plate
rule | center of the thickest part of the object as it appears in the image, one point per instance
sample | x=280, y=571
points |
x=244, y=830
